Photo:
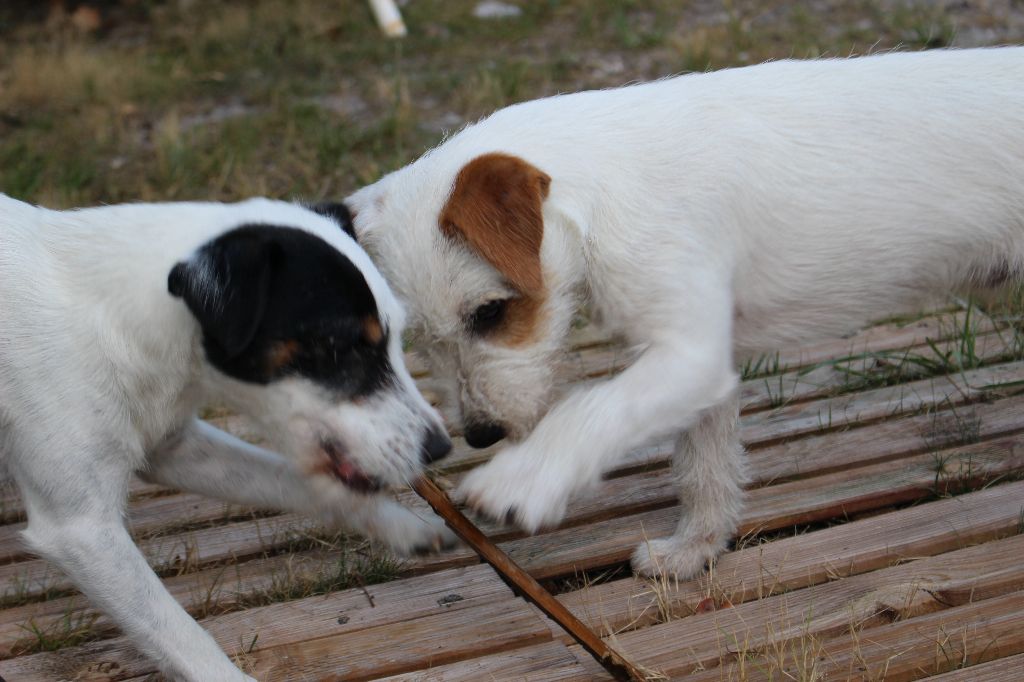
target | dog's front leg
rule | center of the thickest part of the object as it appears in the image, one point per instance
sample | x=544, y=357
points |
x=675, y=380
x=709, y=465
x=75, y=505
x=205, y=460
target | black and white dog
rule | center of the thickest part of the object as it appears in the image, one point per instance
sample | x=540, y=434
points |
x=117, y=323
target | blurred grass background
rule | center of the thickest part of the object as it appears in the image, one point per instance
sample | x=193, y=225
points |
x=125, y=100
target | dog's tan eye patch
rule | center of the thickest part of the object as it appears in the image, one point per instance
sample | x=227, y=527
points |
x=281, y=354
x=372, y=331
x=508, y=321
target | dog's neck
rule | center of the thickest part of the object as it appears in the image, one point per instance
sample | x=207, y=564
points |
x=111, y=268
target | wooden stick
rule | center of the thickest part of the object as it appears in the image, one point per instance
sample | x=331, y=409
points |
x=524, y=583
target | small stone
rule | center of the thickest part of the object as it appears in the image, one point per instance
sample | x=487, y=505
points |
x=342, y=620
x=492, y=9
x=449, y=599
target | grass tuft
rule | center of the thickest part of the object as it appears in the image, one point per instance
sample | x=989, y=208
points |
x=362, y=566
x=72, y=629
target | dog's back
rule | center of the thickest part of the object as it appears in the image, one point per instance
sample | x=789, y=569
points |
x=866, y=182
x=23, y=266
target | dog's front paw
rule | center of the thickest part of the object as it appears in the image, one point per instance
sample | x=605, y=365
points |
x=675, y=557
x=407, y=532
x=516, y=488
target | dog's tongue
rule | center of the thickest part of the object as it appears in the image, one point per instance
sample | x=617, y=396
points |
x=351, y=476
x=348, y=473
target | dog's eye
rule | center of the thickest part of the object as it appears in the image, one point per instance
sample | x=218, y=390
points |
x=488, y=316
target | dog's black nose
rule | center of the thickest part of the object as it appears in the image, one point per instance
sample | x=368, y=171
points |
x=436, y=446
x=482, y=434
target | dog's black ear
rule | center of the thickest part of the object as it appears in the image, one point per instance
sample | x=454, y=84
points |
x=339, y=213
x=226, y=286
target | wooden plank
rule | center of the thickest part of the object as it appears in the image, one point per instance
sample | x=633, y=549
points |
x=784, y=564
x=843, y=411
x=211, y=590
x=548, y=662
x=12, y=508
x=906, y=650
x=819, y=416
x=879, y=485
x=405, y=646
x=807, y=382
x=183, y=552
x=843, y=375
x=794, y=619
x=1002, y=670
x=463, y=559
x=945, y=331
x=883, y=337
x=524, y=584
x=365, y=654
x=809, y=559
x=652, y=490
x=146, y=516
x=568, y=550
x=810, y=456
x=284, y=623
x=837, y=450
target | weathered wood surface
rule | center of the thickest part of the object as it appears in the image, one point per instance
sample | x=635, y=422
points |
x=897, y=511
x=290, y=622
x=809, y=559
x=525, y=585
x=643, y=491
x=549, y=662
x=906, y=650
x=1000, y=670
x=779, y=622
x=407, y=645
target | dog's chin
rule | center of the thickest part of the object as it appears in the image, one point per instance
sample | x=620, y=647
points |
x=339, y=465
x=516, y=433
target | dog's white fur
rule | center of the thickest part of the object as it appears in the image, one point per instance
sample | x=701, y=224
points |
x=703, y=217
x=101, y=373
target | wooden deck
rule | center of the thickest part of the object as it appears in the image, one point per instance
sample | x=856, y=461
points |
x=882, y=540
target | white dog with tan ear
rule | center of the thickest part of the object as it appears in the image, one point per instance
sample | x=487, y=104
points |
x=701, y=217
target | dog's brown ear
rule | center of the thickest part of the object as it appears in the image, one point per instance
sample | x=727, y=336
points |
x=495, y=207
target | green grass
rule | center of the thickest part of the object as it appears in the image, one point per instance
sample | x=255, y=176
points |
x=763, y=365
x=305, y=99
x=957, y=353
x=356, y=567
x=72, y=629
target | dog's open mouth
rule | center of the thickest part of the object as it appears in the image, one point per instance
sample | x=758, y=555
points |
x=343, y=469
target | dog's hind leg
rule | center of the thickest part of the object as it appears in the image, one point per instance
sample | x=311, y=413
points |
x=709, y=465
x=205, y=460
x=74, y=495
